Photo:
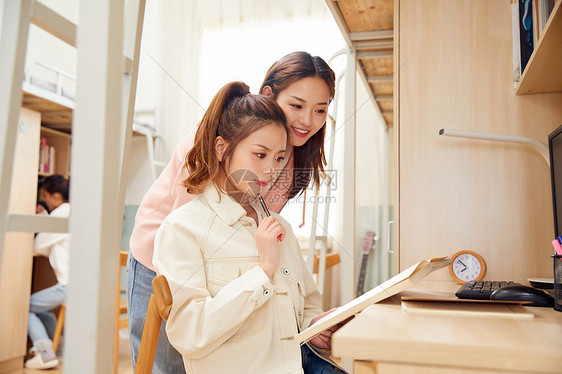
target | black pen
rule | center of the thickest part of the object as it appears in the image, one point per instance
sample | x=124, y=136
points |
x=264, y=206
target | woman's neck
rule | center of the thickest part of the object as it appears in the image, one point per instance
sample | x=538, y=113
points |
x=238, y=197
x=250, y=212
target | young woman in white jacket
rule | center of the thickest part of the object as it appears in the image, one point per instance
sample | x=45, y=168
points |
x=241, y=290
x=56, y=246
x=303, y=85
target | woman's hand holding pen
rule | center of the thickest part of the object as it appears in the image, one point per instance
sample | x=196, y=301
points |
x=269, y=232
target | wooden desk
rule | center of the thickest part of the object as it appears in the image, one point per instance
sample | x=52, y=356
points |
x=403, y=343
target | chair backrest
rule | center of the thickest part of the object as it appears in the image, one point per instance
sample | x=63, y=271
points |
x=158, y=310
x=331, y=260
x=163, y=296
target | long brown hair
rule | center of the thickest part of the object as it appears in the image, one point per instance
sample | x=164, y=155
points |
x=309, y=159
x=233, y=114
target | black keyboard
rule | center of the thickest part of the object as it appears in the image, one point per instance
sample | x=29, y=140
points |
x=481, y=290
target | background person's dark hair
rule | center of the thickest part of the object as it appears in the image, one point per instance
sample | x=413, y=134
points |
x=56, y=183
x=309, y=159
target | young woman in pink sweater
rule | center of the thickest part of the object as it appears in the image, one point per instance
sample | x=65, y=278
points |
x=303, y=86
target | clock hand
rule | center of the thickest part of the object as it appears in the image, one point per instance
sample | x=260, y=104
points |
x=463, y=269
x=462, y=263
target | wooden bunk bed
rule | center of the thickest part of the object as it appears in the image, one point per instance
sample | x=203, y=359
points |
x=368, y=27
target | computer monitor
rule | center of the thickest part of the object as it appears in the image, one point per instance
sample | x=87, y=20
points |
x=555, y=151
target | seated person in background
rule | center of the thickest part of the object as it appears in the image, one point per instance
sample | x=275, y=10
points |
x=42, y=322
x=241, y=289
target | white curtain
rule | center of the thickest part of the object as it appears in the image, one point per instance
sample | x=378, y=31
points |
x=192, y=48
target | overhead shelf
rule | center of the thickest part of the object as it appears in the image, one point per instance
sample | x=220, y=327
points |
x=56, y=111
x=544, y=69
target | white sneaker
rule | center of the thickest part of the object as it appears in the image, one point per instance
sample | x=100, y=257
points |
x=37, y=362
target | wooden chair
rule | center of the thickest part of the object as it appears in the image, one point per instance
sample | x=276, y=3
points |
x=58, y=329
x=331, y=260
x=121, y=309
x=158, y=310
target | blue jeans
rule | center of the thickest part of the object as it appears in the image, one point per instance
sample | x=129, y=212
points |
x=139, y=289
x=312, y=364
x=42, y=322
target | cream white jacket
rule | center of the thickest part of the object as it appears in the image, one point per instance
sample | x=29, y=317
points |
x=227, y=316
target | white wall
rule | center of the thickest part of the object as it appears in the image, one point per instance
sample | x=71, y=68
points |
x=138, y=172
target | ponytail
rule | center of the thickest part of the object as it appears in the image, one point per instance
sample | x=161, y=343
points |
x=233, y=114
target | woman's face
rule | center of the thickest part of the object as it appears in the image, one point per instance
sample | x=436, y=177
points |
x=255, y=162
x=52, y=200
x=305, y=103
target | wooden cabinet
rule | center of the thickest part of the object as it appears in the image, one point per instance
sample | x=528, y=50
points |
x=544, y=70
x=43, y=274
x=455, y=72
x=15, y=276
x=21, y=272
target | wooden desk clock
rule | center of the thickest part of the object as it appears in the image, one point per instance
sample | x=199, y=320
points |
x=467, y=266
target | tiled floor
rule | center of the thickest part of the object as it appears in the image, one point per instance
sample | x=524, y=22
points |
x=124, y=366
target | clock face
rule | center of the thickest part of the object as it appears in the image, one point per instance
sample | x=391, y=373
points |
x=467, y=267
